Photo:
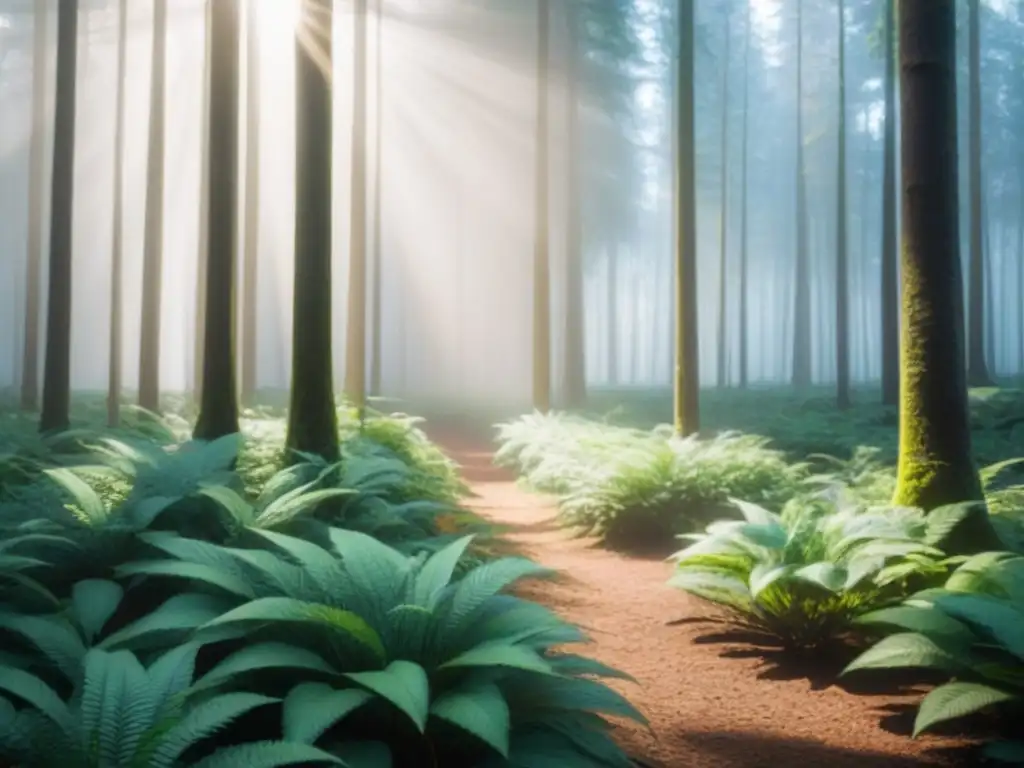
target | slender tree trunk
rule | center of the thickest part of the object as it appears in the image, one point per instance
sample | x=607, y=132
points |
x=56, y=416
x=117, y=256
x=153, y=246
x=575, y=309
x=355, y=347
x=312, y=417
x=889, y=300
x=612, y=289
x=1020, y=266
x=935, y=464
x=802, y=289
x=744, y=266
x=686, y=382
x=723, y=229
x=204, y=214
x=977, y=367
x=377, y=360
x=218, y=409
x=541, y=256
x=842, y=260
x=251, y=254
x=36, y=186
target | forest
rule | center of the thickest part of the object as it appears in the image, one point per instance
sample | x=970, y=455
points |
x=511, y=383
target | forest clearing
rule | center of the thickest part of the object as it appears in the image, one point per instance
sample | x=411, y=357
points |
x=530, y=384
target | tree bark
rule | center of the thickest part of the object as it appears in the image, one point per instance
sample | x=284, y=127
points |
x=802, y=289
x=376, y=359
x=541, y=255
x=153, y=245
x=117, y=255
x=842, y=260
x=204, y=215
x=686, y=381
x=889, y=300
x=218, y=410
x=723, y=229
x=251, y=254
x=355, y=328
x=935, y=464
x=56, y=416
x=744, y=360
x=36, y=186
x=312, y=417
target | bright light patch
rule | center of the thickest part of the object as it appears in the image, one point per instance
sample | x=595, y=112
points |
x=278, y=15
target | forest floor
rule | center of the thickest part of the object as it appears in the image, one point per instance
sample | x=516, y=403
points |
x=711, y=702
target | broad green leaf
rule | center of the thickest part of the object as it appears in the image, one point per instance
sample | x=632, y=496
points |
x=910, y=649
x=267, y=754
x=500, y=655
x=926, y=621
x=404, y=684
x=310, y=709
x=955, y=700
x=94, y=602
x=480, y=709
x=199, y=572
x=263, y=656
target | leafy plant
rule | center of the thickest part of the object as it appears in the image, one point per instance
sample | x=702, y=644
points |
x=801, y=577
x=970, y=630
x=393, y=649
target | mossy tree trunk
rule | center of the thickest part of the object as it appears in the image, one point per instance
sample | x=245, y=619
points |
x=842, y=261
x=541, y=255
x=312, y=418
x=55, y=415
x=686, y=378
x=36, y=187
x=218, y=406
x=355, y=326
x=935, y=463
x=117, y=255
x=251, y=255
x=889, y=300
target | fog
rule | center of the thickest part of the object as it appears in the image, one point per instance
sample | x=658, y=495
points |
x=452, y=97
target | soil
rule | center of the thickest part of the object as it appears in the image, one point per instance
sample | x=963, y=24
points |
x=713, y=701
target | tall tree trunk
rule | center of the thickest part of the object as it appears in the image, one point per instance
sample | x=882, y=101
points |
x=355, y=347
x=204, y=213
x=541, y=256
x=935, y=464
x=744, y=223
x=218, y=407
x=575, y=309
x=889, y=300
x=312, y=417
x=686, y=382
x=153, y=246
x=117, y=255
x=723, y=229
x=377, y=358
x=36, y=186
x=55, y=414
x=1020, y=266
x=612, y=291
x=977, y=367
x=251, y=254
x=802, y=289
x=842, y=265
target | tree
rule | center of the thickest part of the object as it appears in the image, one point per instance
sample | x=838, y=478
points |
x=575, y=342
x=378, y=223
x=218, y=404
x=117, y=255
x=744, y=215
x=935, y=464
x=723, y=231
x=153, y=244
x=55, y=414
x=686, y=380
x=251, y=254
x=541, y=256
x=802, y=288
x=34, y=255
x=204, y=215
x=842, y=266
x=977, y=368
x=312, y=418
x=889, y=299
x=355, y=342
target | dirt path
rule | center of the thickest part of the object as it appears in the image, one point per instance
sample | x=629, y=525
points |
x=711, y=705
